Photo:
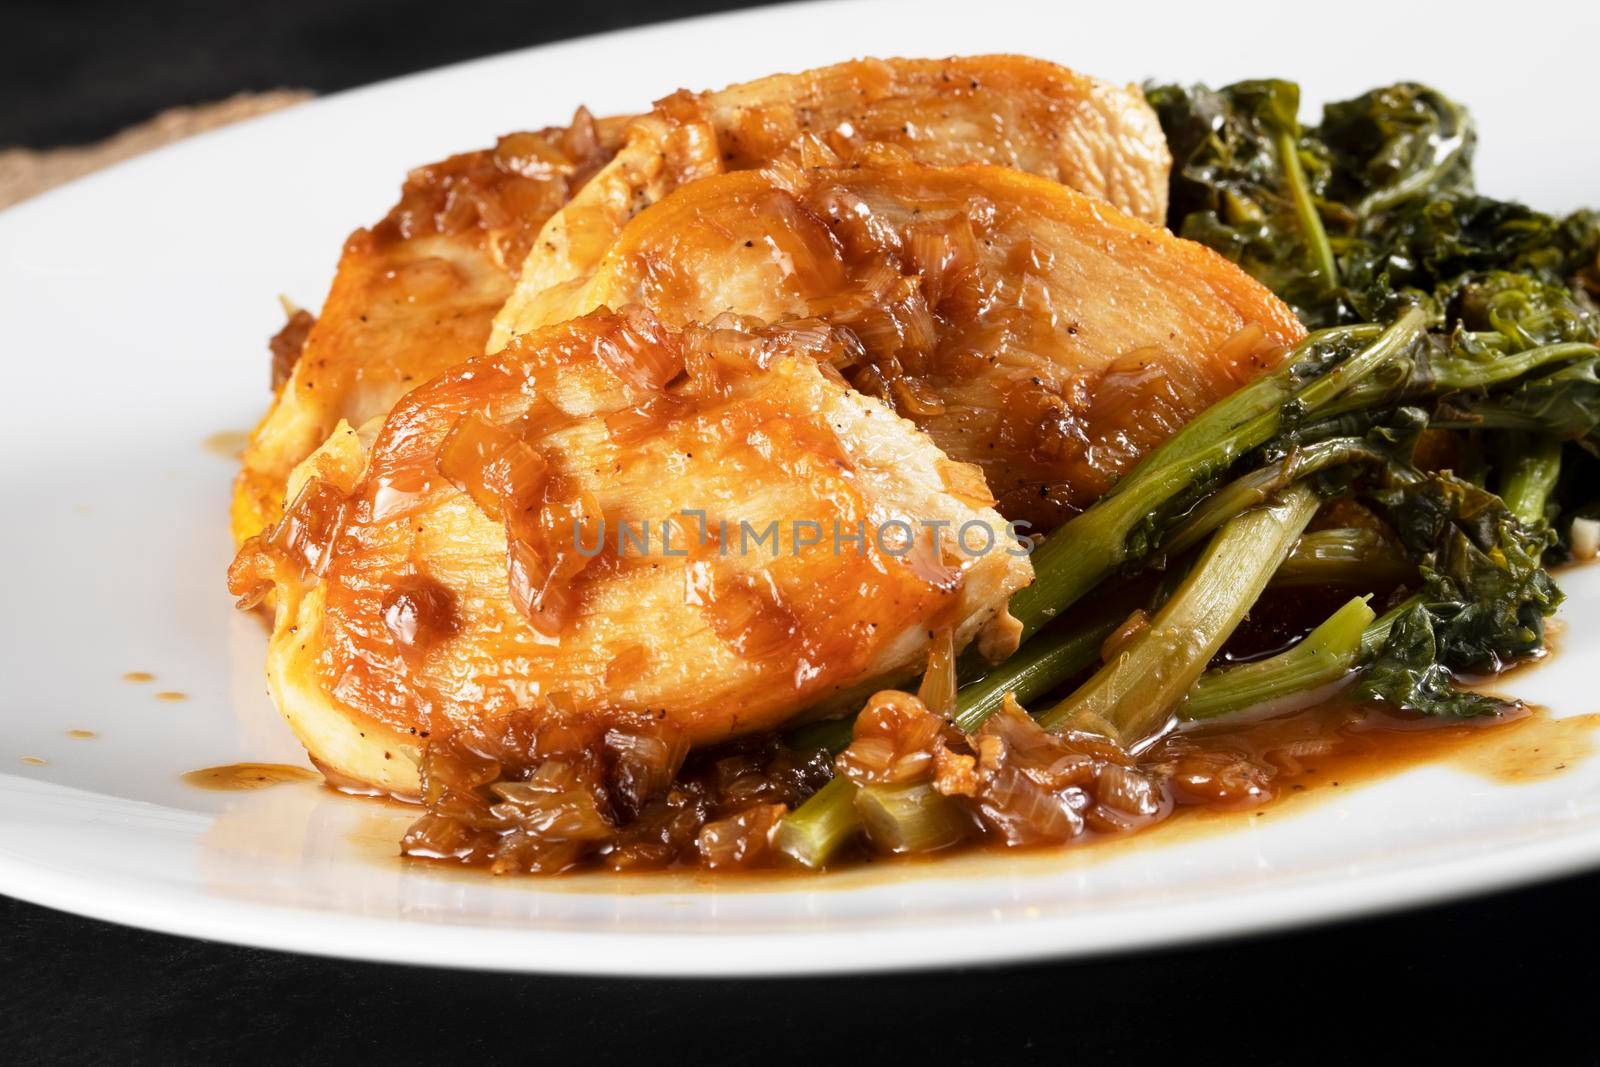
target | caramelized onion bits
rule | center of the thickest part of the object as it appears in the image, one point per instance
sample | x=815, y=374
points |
x=887, y=313
x=296, y=547
x=522, y=792
x=1218, y=778
x=640, y=354
x=418, y=612
x=1032, y=787
x=502, y=473
x=663, y=835
x=938, y=688
x=504, y=192
x=895, y=739
x=985, y=306
x=309, y=525
x=553, y=815
x=1126, y=799
x=1021, y=784
x=740, y=841
x=946, y=256
x=810, y=152
x=253, y=572
x=629, y=426
x=643, y=764
x=546, y=554
x=730, y=347
x=553, y=788
x=915, y=397
x=547, y=531
x=803, y=246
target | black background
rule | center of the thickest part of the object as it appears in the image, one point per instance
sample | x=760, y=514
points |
x=1507, y=978
x=73, y=71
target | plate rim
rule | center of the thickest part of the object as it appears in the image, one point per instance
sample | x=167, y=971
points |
x=503, y=948
x=1214, y=916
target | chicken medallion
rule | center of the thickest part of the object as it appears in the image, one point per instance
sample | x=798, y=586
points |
x=610, y=514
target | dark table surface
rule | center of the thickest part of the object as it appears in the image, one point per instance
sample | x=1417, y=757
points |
x=1511, y=977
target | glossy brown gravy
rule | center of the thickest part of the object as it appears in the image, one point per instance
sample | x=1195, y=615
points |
x=1513, y=751
x=1356, y=747
x=1520, y=750
x=1528, y=746
x=1555, y=636
x=237, y=777
x=1338, y=746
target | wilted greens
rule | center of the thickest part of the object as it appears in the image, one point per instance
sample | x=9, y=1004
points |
x=1507, y=383
x=1441, y=419
x=1371, y=210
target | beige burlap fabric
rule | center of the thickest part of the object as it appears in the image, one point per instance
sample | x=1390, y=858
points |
x=26, y=172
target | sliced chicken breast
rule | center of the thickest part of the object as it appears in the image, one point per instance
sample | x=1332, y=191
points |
x=610, y=514
x=1031, y=330
x=417, y=294
x=1006, y=110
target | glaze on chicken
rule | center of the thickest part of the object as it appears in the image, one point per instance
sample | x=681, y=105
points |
x=1011, y=111
x=1031, y=330
x=417, y=294
x=477, y=557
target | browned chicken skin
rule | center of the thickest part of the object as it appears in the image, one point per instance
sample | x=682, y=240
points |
x=416, y=294
x=1031, y=330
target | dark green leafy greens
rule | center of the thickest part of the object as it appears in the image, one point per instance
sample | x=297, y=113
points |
x=1481, y=570
x=1372, y=211
x=1564, y=403
x=1394, y=145
x=1390, y=174
x=1246, y=182
x=1410, y=674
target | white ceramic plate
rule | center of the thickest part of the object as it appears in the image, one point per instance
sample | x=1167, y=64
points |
x=134, y=306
